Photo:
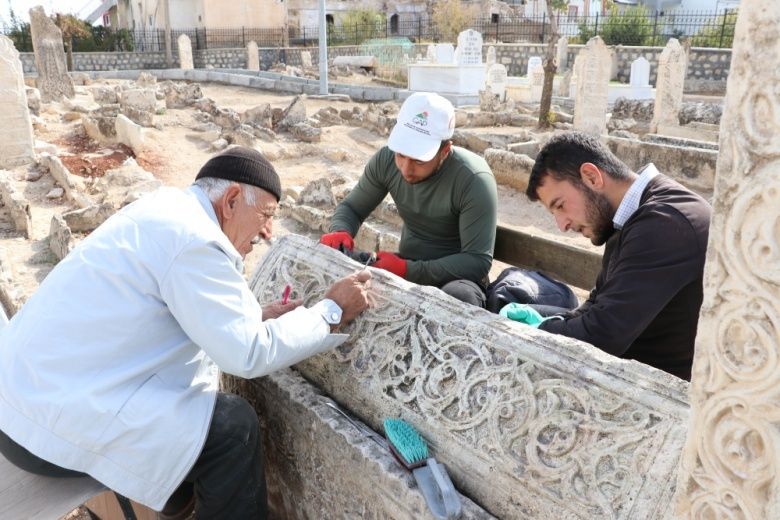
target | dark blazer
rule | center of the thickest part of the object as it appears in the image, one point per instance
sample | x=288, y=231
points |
x=645, y=305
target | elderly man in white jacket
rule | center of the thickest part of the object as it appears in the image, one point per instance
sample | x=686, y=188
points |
x=111, y=368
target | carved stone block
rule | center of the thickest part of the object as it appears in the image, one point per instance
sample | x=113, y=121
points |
x=16, y=133
x=530, y=425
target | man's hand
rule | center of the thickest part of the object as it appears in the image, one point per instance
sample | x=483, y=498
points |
x=276, y=309
x=522, y=313
x=352, y=295
x=338, y=239
x=390, y=262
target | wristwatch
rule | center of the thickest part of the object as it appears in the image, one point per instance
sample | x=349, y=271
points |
x=330, y=311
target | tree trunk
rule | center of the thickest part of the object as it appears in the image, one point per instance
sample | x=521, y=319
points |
x=70, y=53
x=550, y=67
x=168, y=49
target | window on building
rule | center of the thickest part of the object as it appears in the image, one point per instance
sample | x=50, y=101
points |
x=394, y=24
x=106, y=20
x=329, y=19
x=572, y=12
x=494, y=18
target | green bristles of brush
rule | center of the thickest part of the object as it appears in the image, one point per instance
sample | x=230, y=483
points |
x=410, y=448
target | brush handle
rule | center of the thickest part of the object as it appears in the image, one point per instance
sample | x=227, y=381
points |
x=449, y=495
x=438, y=491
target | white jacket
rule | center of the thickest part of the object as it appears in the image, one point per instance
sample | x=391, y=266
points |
x=111, y=367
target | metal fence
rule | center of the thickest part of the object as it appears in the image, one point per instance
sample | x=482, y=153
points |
x=705, y=29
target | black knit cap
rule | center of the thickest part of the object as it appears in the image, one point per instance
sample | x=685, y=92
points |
x=245, y=165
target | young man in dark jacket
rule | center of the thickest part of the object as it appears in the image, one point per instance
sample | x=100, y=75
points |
x=645, y=305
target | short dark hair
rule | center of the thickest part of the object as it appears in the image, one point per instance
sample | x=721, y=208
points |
x=563, y=155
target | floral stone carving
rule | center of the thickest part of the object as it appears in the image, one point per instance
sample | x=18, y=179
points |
x=529, y=424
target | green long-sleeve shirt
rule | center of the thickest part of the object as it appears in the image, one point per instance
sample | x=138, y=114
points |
x=449, y=219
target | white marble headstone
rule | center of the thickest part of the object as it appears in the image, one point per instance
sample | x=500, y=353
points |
x=669, y=85
x=445, y=53
x=533, y=62
x=496, y=79
x=470, y=48
x=431, y=53
x=306, y=59
x=640, y=73
x=592, y=69
x=491, y=56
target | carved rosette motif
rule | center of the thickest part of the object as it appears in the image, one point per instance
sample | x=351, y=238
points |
x=575, y=447
x=731, y=459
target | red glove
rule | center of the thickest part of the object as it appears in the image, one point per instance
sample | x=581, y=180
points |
x=338, y=239
x=390, y=262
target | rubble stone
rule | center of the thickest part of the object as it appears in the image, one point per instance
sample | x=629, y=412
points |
x=60, y=237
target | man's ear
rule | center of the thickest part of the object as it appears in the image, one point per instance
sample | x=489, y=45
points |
x=592, y=176
x=229, y=201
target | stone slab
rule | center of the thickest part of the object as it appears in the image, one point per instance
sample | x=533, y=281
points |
x=530, y=425
x=53, y=80
x=16, y=205
x=320, y=464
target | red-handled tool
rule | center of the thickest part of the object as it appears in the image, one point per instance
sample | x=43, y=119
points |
x=286, y=295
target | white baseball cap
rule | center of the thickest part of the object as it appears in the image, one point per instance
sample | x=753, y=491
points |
x=425, y=120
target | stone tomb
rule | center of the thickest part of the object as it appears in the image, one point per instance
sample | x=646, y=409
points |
x=529, y=425
x=16, y=133
x=460, y=79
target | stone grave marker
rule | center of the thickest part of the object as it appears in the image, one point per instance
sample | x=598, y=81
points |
x=53, y=80
x=252, y=56
x=306, y=60
x=640, y=73
x=431, y=53
x=533, y=62
x=470, y=48
x=16, y=133
x=496, y=79
x=730, y=466
x=491, y=56
x=445, y=53
x=185, y=52
x=669, y=85
x=562, y=53
x=590, y=104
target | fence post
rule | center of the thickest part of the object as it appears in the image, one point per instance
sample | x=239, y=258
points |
x=356, y=33
x=655, y=28
x=243, y=37
x=419, y=29
x=723, y=27
x=304, y=36
x=596, y=28
x=544, y=21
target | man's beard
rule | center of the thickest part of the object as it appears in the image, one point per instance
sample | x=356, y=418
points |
x=599, y=213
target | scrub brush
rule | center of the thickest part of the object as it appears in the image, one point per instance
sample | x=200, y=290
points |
x=411, y=450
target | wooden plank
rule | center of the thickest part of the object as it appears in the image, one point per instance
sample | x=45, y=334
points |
x=570, y=264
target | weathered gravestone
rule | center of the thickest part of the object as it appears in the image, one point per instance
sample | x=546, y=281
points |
x=306, y=59
x=16, y=134
x=562, y=53
x=529, y=424
x=534, y=62
x=252, y=56
x=669, y=85
x=731, y=462
x=185, y=52
x=469, y=48
x=53, y=80
x=496, y=79
x=592, y=68
x=490, y=59
x=430, y=53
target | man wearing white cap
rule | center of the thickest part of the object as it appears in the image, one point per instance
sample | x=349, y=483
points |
x=445, y=195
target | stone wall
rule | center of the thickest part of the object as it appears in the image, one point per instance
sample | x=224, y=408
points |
x=706, y=65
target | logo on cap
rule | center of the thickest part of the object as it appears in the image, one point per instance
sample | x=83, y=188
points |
x=421, y=119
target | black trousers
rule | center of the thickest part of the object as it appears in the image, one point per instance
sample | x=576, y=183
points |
x=467, y=292
x=228, y=479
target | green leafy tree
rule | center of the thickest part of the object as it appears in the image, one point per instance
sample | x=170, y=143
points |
x=19, y=33
x=451, y=17
x=71, y=28
x=719, y=34
x=633, y=26
x=359, y=25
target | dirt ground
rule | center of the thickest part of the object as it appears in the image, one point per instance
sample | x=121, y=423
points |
x=175, y=157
